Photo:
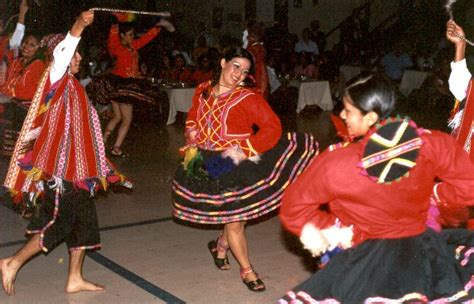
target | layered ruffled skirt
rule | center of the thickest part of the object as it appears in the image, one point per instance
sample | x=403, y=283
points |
x=139, y=92
x=428, y=268
x=218, y=192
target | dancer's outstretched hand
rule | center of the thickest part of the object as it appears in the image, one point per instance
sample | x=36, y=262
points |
x=453, y=31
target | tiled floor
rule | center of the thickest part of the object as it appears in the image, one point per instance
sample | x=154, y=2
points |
x=149, y=258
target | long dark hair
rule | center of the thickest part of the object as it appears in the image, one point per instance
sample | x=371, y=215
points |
x=372, y=92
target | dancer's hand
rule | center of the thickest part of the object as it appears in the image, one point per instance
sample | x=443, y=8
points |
x=23, y=7
x=86, y=18
x=23, y=10
x=166, y=24
x=453, y=31
x=83, y=21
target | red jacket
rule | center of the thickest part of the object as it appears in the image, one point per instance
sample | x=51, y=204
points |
x=21, y=82
x=126, y=64
x=227, y=120
x=376, y=210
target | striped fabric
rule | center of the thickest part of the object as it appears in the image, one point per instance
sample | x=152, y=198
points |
x=249, y=192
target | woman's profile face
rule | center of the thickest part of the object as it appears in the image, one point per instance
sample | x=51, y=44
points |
x=29, y=47
x=356, y=122
x=234, y=71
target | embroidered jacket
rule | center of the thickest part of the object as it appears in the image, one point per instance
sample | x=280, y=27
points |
x=376, y=211
x=227, y=120
x=21, y=82
x=126, y=64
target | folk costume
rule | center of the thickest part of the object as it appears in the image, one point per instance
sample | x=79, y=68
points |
x=123, y=85
x=18, y=90
x=210, y=189
x=59, y=159
x=372, y=233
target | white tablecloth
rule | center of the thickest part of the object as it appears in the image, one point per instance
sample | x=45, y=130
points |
x=349, y=71
x=180, y=100
x=313, y=93
x=411, y=80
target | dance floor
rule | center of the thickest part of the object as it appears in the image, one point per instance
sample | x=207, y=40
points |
x=147, y=257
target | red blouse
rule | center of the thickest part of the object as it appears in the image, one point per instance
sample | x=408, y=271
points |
x=376, y=210
x=226, y=120
x=21, y=82
x=126, y=64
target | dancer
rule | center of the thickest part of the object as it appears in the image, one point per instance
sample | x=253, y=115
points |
x=124, y=48
x=66, y=164
x=23, y=74
x=232, y=174
x=256, y=48
x=364, y=206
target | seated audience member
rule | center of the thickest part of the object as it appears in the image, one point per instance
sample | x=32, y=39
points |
x=395, y=62
x=305, y=44
x=306, y=67
x=181, y=72
x=204, y=70
x=200, y=49
x=178, y=48
x=166, y=69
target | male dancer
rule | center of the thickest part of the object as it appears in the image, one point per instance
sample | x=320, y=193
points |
x=67, y=164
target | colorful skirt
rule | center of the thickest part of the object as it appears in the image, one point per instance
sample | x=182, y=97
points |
x=243, y=192
x=428, y=268
x=138, y=92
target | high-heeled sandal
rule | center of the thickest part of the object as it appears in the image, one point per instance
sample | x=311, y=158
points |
x=252, y=285
x=214, y=248
x=116, y=152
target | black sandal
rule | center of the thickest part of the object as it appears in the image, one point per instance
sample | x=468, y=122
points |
x=251, y=285
x=214, y=248
x=118, y=153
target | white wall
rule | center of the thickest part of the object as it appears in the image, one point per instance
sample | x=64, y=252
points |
x=329, y=12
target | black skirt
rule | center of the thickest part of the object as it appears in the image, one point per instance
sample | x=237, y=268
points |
x=138, y=92
x=243, y=192
x=428, y=268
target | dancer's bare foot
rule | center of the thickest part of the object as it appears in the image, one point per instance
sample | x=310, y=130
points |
x=78, y=285
x=8, y=275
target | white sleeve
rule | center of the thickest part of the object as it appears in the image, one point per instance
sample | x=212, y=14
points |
x=15, y=40
x=62, y=55
x=459, y=79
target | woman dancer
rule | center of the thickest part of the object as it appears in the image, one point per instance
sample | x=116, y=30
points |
x=232, y=174
x=66, y=163
x=124, y=48
x=377, y=190
x=20, y=83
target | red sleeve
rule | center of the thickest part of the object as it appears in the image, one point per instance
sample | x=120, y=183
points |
x=302, y=200
x=191, y=123
x=261, y=76
x=268, y=123
x=146, y=38
x=455, y=169
x=113, y=43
